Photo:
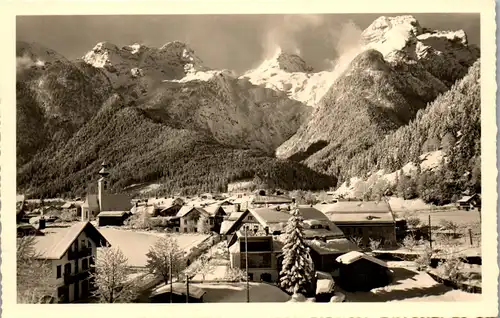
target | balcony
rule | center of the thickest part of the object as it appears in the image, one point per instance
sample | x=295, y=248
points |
x=72, y=278
x=83, y=252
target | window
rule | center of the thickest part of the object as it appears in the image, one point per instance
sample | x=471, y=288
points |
x=67, y=269
x=195, y=230
x=185, y=230
x=256, y=260
x=83, y=243
x=58, y=271
x=185, y=222
x=211, y=222
x=85, y=264
x=75, y=245
x=89, y=244
x=177, y=229
x=250, y=218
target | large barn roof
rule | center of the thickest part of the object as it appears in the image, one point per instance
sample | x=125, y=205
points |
x=358, y=212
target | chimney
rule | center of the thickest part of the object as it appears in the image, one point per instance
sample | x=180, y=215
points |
x=238, y=207
x=267, y=230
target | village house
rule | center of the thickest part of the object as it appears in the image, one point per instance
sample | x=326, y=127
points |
x=273, y=221
x=71, y=252
x=216, y=216
x=362, y=272
x=324, y=254
x=325, y=239
x=363, y=219
x=188, y=219
x=168, y=207
x=262, y=253
x=469, y=202
x=112, y=204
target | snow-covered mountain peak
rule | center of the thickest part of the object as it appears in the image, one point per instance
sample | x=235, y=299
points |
x=285, y=61
x=389, y=34
x=182, y=53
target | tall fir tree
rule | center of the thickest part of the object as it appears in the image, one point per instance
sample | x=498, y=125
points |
x=297, y=270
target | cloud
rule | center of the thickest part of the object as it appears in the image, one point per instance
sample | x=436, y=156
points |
x=25, y=62
x=347, y=44
x=285, y=33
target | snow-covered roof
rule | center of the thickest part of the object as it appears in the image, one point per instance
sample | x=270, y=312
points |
x=225, y=226
x=333, y=246
x=354, y=256
x=187, y=209
x=270, y=199
x=358, y=212
x=55, y=245
x=112, y=214
x=324, y=286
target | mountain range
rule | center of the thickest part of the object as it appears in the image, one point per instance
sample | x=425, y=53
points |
x=161, y=115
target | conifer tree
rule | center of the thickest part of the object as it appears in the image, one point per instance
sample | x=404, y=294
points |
x=297, y=270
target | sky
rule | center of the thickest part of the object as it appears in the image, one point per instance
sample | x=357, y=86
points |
x=236, y=42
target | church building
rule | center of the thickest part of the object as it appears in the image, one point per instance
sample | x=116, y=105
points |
x=104, y=201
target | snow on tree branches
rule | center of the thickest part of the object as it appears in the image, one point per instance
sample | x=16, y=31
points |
x=297, y=269
x=164, y=255
x=34, y=283
x=111, y=276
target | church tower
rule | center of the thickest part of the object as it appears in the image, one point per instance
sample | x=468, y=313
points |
x=103, y=183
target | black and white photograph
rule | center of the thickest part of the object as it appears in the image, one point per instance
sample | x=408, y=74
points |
x=251, y=158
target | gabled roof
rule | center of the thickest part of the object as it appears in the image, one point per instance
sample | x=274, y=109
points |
x=354, y=256
x=112, y=214
x=225, y=226
x=270, y=199
x=185, y=210
x=213, y=208
x=234, y=216
x=467, y=198
x=310, y=213
x=358, y=212
x=91, y=201
x=334, y=246
x=55, y=245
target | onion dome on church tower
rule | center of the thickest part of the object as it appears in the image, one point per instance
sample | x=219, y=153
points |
x=104, y=172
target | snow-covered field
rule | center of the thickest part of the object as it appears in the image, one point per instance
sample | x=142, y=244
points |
x=410, y=285
x=461, y=217
x=135, y=245
x=236, y=292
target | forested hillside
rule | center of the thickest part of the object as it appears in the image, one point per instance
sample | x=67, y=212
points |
x=452, y=123
x=140, y=149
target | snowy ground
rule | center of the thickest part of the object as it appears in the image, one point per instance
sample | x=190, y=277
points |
x=236, y=292
x=411, y=285
x=460, y=217
x=135, y=245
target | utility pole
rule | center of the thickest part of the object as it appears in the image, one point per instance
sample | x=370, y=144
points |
x=430, y=233
x=170, y=274
x=246, y=263
x=187, y=282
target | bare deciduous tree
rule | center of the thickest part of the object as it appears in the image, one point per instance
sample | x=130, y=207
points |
x=374, y=244
x=410, y=242
x=203, y=226
x=163, y=256
x=34, y=275
x=203, y=266
x=110, y=276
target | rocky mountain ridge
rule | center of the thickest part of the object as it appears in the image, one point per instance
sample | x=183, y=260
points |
x=397, y=70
